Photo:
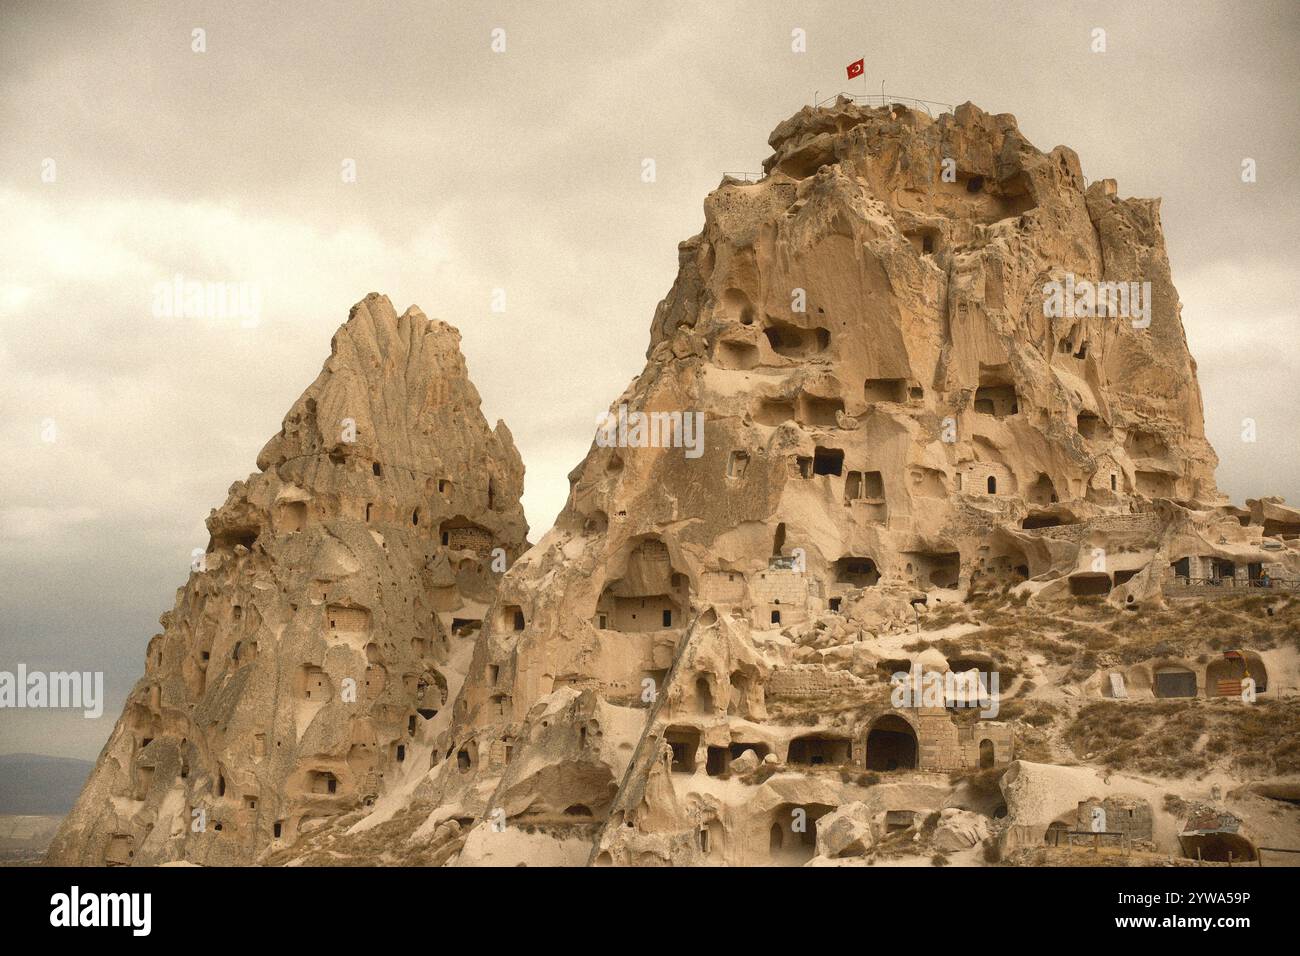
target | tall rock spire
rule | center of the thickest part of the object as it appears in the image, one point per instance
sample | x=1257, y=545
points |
x=320, y=637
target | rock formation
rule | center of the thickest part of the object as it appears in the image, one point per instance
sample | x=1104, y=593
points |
x=329, y=622
x=918, y=384
x=911, y=501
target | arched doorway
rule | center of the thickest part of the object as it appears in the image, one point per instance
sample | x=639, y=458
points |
x=715, y=834
x=986, y=754
x=1224, y=677
x=775, y=838
x=1057, y=834
x=703, y=695
x=738, y=700
x=891, y=744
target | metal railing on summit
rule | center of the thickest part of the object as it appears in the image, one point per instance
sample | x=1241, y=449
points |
x=886, y=99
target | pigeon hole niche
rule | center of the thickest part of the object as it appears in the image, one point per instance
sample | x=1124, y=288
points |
x=791, y=341
x=349, y=623
x=983, y=198
x=1155, y=484
x=939, y=569
x=996, y=395
x=1004, y=562
x=227, y=539
x=320, y=782
x=773, y=411
x=1042, y=492
x=855, y=572
x=376, y=675
x=739, y=687
x=735, y=353
x=119, y=850
x=314, y=685
x=737, y=464
x=820, y=749
x=1090, y=426
x=291, y=516
x=864, y=492
x=930, y=482
x=649, y=595
x=925, y=240
x=818, y=411
x=737, y=750
x=684, y=744
x=828, y=461
x=461, y=534
x=510, y=617
x=876, y=390
x=736, y=307
x=1037, y=520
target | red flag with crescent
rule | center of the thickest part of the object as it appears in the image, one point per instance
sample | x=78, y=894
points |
x=855, y=68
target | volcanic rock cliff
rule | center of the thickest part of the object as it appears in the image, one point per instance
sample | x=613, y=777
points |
x=329, y=622
x=918, y=404
x=697, y=662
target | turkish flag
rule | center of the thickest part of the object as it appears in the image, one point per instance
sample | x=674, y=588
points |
x=855, y=68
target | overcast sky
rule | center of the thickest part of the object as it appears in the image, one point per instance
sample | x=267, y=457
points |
x=519, y=170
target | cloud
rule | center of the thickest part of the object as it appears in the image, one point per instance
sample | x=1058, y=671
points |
x=518, y=171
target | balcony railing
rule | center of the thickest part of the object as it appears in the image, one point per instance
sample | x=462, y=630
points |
x=1182, y=582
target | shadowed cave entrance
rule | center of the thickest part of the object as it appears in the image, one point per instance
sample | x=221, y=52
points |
x=1217, y=847
x=891, y=744
x=819, y=749
x=792, y=836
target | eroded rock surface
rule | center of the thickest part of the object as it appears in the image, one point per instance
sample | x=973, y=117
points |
x=318, y=643
x=897, y=421
x=891, y=437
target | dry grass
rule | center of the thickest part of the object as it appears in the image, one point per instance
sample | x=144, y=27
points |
x=984, y=782
x=387, y=844
x=1035, y=713
x=1165, y=737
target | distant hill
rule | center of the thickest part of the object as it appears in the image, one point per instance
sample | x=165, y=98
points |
x=36, y=784
x=24, y=839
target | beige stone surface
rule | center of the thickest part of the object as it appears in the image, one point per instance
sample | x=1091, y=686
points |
x=313, y=655
x=909, y=470
x=845, y=831
x=960, y=830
